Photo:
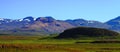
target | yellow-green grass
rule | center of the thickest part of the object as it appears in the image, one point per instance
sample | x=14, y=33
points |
x=48, y=44
x=60, y=47
x=36, y=39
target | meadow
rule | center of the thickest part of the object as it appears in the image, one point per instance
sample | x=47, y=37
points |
x=49, y=44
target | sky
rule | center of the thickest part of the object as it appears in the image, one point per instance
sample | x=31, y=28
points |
x=100, y=10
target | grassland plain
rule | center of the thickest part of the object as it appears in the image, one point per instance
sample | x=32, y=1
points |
x=48, y=44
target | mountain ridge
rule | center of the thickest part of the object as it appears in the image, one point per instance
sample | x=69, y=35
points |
x=50, y=25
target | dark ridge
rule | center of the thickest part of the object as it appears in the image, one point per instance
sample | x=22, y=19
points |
x=86, y=32
x=106, y=41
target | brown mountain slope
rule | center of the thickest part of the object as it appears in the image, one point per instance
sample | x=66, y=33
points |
x=49, y=25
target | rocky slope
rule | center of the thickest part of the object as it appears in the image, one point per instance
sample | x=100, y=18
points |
x=50, y=25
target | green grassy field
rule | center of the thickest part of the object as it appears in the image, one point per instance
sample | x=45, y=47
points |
x=48, y=44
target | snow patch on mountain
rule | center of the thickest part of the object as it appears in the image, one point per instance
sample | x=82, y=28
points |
x=90, y=21
x=1, y=19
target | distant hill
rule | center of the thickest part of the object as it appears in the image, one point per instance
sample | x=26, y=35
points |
x=49, y=25
x=87, y=23
x=114, y=23
x=80, y=32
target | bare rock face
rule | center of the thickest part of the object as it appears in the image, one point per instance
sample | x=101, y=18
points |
x=49, y=24
x=45, y=19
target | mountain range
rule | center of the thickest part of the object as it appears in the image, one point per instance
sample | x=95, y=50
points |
x=48, y=25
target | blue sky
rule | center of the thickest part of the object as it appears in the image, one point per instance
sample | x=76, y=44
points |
x=100, y=10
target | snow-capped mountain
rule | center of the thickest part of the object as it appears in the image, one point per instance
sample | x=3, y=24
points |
x=87, y=23
x=114, y=23
x=50, y=25
x=3, y=21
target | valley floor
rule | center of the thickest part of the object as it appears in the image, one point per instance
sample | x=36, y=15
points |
x=40, y=44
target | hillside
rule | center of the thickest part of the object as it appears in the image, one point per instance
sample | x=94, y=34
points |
x=81, y=32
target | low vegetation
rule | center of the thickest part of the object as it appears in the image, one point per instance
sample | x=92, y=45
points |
x=49, y=44
x=80, y=32
x=57, y=43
